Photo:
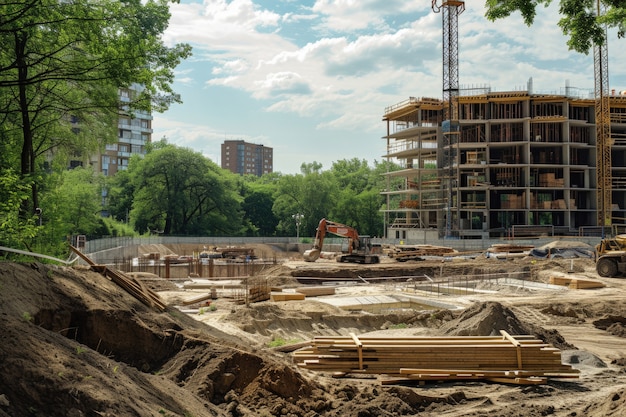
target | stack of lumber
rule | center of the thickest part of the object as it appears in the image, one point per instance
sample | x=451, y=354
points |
x=576, y=283
x=507, y=248
x=126, y=282
x=287, y=296
x=414, y=252
x=519, y=359
x=316, y=291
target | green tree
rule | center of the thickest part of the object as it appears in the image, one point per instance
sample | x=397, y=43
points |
x=579, y=18
x=71, y=205
x=359, y=201
x=61, y=62
x=13, y=232
x=119, y=194
x=179, y=191
x=258, y=200
x=313, y=193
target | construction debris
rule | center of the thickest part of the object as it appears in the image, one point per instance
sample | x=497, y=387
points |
x=520, y=359
x=402, y=253
x=128, y=283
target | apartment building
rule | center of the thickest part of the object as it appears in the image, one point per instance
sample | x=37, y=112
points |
x=515, y=164
x=134, y=133
x=242, y=157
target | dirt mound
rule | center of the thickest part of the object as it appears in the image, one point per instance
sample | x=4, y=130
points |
x=612, y=405
x=75, y=342
x=580, y=359
x=615, y=325
x=485, y=319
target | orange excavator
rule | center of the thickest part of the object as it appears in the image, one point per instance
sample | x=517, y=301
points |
x=359, y=247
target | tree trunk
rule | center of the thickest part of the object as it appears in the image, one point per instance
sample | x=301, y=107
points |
x=27, y=159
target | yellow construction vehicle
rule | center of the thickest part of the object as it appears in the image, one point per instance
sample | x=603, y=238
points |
x=611, y=257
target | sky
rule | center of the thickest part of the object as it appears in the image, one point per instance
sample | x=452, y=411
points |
x=312, y=79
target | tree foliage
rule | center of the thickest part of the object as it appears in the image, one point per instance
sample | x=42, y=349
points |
x=258, y=200
x=71, y=204
x=61, y=64
x=13, y=231
x=580, y=20
x=180, y=192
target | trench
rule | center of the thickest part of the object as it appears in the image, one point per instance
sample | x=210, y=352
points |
x=115, y=334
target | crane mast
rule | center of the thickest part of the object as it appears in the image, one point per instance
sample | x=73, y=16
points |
x=450, y=11
x=603, y=130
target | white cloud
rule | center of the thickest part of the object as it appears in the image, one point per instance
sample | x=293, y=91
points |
x=284, y=82
x=242, y=13
x=339, y=63
x=352, y=15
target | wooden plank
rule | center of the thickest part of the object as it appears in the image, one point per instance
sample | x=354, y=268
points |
x=520, y=381
x=197, y=299
x=283, y=296
x=359, y=347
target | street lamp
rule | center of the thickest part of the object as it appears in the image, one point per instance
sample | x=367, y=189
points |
x=38, y=213
x=298, y=218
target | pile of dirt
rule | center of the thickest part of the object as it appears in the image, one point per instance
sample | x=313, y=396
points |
x=489, y=318
x=612, y=405
x=485, y=319
x=615, y=325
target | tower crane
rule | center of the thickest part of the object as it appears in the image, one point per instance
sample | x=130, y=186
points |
x=450, y=11
x=603, y=129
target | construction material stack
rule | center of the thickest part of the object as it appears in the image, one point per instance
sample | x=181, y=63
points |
x=521, y=359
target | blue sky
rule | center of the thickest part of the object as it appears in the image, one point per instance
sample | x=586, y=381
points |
x=311, y=79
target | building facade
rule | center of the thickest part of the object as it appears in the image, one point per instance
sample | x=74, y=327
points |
x=515, y=164
x=133, y=134
x=243, y=158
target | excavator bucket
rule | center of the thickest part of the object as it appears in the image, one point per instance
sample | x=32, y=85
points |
x=311, y=255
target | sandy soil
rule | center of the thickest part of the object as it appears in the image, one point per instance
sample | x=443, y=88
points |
x=75, y=344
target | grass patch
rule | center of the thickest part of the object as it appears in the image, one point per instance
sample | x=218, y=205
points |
x=279, y=341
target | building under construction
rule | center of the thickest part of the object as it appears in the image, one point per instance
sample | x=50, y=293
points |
x=516, y=164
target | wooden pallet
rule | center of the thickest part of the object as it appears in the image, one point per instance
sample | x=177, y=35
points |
x=522, y=357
